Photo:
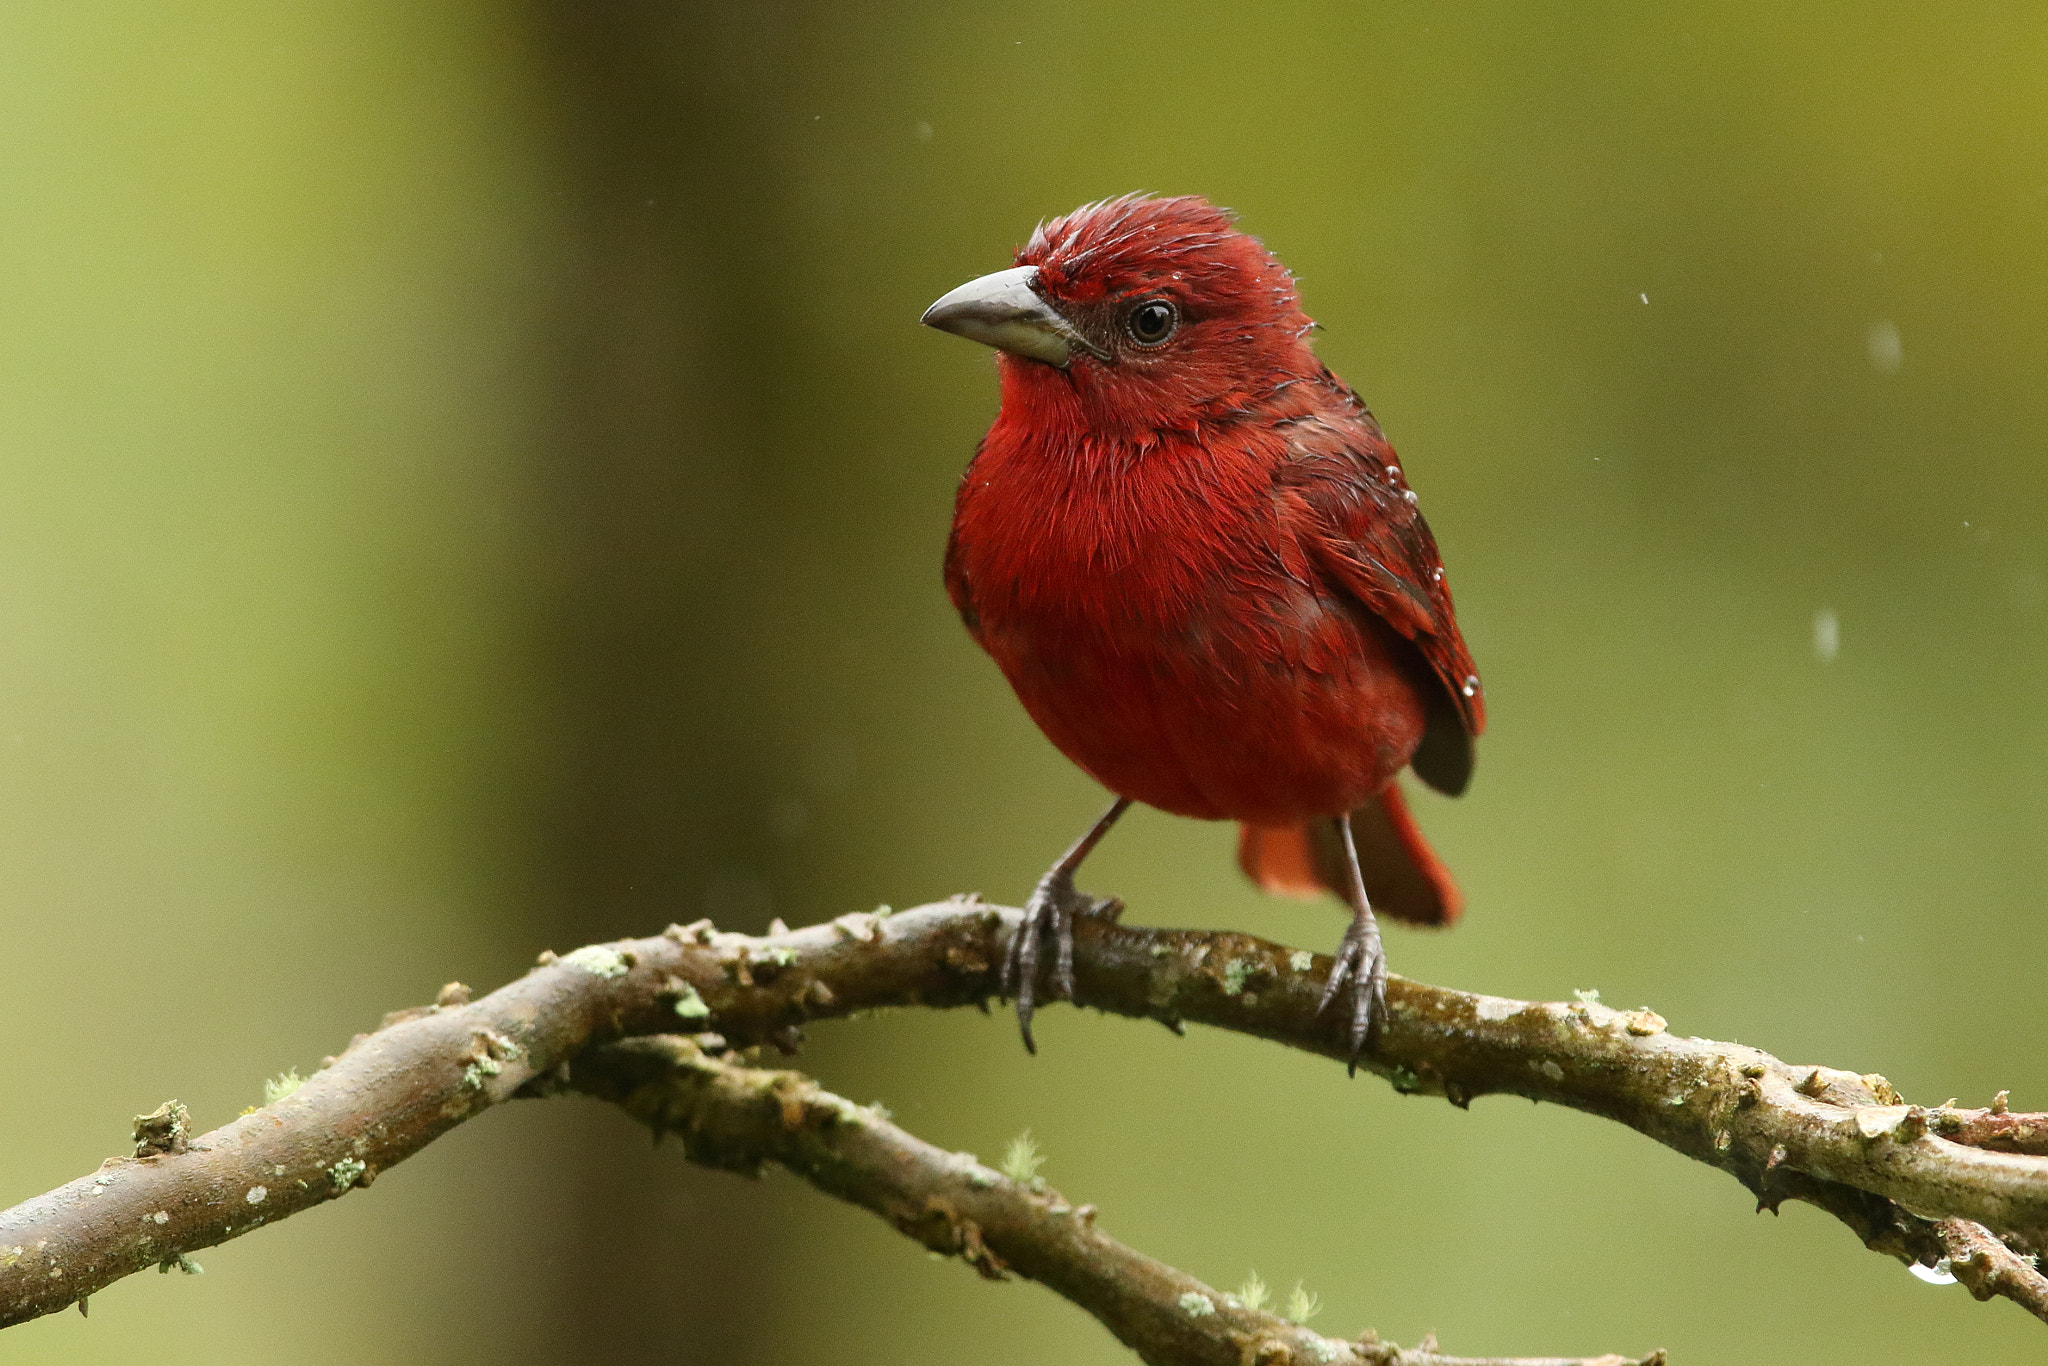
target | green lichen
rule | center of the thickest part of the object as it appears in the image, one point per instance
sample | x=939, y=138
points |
x=345, y=1172
x=500, y=1047
x=599, y=960
x=690, y=1005
x=1322, y=1349
x=1586, y=996
x=1234, y=974
x=1252, y=1294
x=780, y=957
x=1196, y=1306
x=1302, y=1305
x=1301, y=960
x=281, y=1086
x=1022, y=1159
x=1404, y=1080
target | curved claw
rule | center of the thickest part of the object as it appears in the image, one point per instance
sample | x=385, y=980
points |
x=1362, y=961
x=1049, y=914
x=1076, y=904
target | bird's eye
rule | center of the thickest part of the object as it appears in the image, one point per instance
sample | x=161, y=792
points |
x=1152, y=322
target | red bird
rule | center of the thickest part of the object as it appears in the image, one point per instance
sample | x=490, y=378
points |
x=1193, y=554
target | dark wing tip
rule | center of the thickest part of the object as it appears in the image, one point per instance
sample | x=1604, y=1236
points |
x=1446, y=755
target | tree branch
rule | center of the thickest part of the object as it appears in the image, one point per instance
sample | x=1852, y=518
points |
x=1845, y=1143
x=740, y=1118
x=1989, y=1268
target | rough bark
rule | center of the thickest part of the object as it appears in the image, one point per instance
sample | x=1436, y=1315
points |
x=1901, y=1176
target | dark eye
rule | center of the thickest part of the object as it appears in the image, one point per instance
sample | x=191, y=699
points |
x=1152, y=322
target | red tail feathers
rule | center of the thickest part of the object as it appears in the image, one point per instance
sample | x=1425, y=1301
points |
x=1403, y=876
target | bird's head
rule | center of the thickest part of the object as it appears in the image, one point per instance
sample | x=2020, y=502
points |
x=1136, y=313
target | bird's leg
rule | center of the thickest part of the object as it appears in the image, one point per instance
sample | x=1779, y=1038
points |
x=1360, y=958
x=1049, y=915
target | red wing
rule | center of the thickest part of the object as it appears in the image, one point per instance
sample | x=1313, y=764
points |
x=1368, y=536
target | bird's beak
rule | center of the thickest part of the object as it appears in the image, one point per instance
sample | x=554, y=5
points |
x=1003, y=310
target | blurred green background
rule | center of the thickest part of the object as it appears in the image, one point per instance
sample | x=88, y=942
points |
x=471, y=481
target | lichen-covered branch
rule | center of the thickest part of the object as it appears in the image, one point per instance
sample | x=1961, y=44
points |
x=387, y=1096
x=1843, y=1142
x=742, y=1118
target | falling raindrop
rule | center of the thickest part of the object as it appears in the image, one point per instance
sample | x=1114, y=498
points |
x=1886, y=352
x=1827, y=635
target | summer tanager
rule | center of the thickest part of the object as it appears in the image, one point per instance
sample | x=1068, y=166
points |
x=1196, y=559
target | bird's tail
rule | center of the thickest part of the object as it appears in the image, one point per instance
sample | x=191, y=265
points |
x=1403, y=876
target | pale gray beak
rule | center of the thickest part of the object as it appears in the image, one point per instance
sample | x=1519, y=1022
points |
x=1003, y=310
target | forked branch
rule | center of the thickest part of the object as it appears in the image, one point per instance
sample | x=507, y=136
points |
x=741, y=1118
x=1901, y=1176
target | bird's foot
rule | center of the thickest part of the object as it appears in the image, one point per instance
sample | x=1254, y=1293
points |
x=1048, y=924
x=1362, y=963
